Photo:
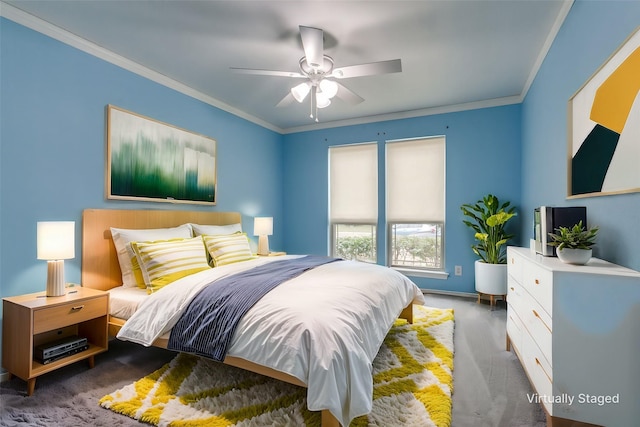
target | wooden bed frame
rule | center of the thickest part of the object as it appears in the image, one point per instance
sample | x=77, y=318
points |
x=101, y=269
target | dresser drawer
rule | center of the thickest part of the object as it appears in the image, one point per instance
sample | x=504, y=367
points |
x=539, y=283
x=70, y=313
x=539, y=372
x=514, y=265
x=516, y=296
x=514, y=329
x=538, y=324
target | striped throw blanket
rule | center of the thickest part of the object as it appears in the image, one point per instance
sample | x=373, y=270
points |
x=207, y=326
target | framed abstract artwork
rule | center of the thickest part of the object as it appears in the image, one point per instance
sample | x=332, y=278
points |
x=148, y=160
x=604, y=127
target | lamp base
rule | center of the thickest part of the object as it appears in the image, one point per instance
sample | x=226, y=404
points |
x=55, y=278
x=263, y=245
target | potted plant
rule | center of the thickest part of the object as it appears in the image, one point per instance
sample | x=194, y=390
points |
x=573, y=244
x=487, y=218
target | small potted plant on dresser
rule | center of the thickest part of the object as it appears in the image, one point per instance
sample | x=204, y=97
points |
x=487, y=218
x=574, y=245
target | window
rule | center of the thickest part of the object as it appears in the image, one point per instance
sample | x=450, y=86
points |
x=415, y=193
x=416, y=246
x=353, y=201
x=355, y=241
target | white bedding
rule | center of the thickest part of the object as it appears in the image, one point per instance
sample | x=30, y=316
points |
x=324, y=327
x=124, y=300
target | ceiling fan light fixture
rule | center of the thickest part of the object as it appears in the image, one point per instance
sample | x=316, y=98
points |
x=329, y=88
x=300, y=91
x=322, y=101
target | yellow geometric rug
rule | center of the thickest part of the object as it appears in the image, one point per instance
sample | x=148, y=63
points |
x=413, y=383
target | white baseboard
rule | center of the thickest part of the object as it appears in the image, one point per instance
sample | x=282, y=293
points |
x=4, y=376
x=450, y=293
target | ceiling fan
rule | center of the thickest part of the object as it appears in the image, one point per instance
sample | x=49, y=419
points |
x=319, y=73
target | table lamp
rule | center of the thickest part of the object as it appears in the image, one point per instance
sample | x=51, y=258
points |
x=56, y=242
x=263, y=228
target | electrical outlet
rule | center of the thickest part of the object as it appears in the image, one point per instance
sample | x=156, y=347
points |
x=458, y=271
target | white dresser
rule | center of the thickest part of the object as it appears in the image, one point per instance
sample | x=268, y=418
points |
x=576, y=331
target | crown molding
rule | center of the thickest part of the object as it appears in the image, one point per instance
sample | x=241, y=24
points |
x=25, y=19
x=564, y=11
x=496, y=102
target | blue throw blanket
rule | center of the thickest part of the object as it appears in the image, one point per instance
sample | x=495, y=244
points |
x=207, y=326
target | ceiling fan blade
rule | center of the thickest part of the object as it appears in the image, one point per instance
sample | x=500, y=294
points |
x=288, y=99
x=370, y=69
x=267, y=72
x=347, y=95
x=313, y=45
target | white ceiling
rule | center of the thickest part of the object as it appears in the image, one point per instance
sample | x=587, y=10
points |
x=455, y=54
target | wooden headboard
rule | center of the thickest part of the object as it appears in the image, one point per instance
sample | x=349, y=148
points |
x=100, y=267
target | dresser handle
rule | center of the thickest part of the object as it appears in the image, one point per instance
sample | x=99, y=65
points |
x=535, y=313
x=537, y=282
x=545, y=372
x=77, y=308
x=513, y=289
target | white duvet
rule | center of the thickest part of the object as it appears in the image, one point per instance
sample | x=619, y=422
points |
x=324, y=327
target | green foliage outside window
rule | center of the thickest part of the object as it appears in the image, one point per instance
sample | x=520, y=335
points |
x=415, y=251
x=409, y=251
x=356, y=248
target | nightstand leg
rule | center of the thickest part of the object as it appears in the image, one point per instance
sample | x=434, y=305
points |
x=31, y=386
x=92, y=362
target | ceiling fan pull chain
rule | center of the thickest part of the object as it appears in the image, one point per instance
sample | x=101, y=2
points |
x=315, y=101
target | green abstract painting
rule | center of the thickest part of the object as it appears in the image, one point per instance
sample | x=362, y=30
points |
x=154, y=161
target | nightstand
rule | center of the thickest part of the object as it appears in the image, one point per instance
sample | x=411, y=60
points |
x=33, y=320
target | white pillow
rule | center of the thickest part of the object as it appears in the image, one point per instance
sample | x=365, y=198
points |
x=122, y=236
x=164, y=262
x=227, y=249
x=213, y=230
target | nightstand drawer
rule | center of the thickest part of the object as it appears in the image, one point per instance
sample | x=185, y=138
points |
x=50, y=318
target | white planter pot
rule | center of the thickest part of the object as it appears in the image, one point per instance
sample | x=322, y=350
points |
x=491, y=279
x=574, y=256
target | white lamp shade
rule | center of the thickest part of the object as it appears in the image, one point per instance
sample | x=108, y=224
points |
x=263, y=226
x=56, y=240
x=300, y=91
x=322, y=101
x=329, y=88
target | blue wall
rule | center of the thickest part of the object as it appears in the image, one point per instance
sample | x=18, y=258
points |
x=52, y=163
x=52, y=149
x=482, y=155
x=590, y=34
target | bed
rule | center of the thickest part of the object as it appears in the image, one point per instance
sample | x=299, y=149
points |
x=101, y=270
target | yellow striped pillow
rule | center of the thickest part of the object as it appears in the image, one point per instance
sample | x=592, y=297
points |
x=140, y=278
x=163, y=262
x=122, y=236
x=136, y=271
x=227, y=249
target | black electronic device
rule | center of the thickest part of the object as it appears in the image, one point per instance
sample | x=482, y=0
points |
x=58, y=349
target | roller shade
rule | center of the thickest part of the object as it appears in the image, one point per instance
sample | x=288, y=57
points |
x=353, y=184
x=415, y=180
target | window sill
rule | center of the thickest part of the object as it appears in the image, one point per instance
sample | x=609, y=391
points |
x=442, y=275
